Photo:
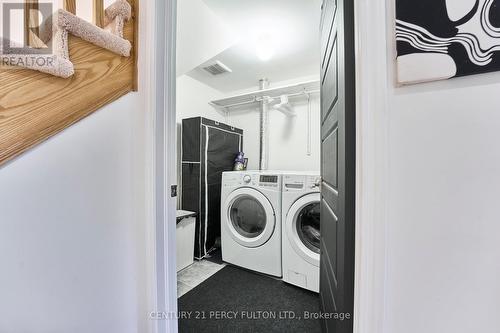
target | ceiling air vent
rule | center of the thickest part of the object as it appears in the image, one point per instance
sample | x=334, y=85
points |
x=217, y=68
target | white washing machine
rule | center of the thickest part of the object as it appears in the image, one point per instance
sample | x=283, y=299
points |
x=301, y=230
x=251, y=220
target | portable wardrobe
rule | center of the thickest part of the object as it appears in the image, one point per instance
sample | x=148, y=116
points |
x=208, y=149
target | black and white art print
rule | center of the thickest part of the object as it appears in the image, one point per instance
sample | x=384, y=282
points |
x=441, y=39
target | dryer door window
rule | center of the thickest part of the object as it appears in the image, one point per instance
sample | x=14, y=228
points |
x=302, y=227
x=248, y=216
x=308, y=226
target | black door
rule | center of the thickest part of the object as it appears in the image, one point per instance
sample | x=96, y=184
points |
x=337, y=164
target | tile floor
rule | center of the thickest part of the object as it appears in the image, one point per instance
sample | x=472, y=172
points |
x=195, y=274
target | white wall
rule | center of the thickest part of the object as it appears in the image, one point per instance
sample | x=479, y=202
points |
x=201, y=35
x=444, y=190
x=193, y=97
x=287, y=136
x=442, y=249
x=70, y=245
x=192, y=101
x=75, y=240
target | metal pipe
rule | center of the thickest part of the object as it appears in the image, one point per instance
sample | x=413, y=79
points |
x=264, y=128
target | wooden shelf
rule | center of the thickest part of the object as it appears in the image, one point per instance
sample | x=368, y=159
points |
x=35, y=106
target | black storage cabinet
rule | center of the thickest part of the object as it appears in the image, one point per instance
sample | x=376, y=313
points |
x=208, y=149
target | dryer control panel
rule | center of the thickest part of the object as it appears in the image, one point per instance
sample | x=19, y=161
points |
x=253, y=179
x=295, y=183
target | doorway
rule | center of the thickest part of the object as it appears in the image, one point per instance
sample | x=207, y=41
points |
x=326, y=140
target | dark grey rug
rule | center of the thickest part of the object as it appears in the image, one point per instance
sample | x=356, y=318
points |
x=238, y=301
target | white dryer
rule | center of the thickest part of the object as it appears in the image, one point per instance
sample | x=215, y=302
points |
x=251, y=220
x=301, y=230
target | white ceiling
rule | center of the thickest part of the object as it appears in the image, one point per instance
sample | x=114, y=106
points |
x=291, y=25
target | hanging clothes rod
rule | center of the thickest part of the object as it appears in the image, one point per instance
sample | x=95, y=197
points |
x=263, y=98
x=304, y=93
x=301, y=89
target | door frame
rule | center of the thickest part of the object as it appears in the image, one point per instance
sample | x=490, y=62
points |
x=371, y=165
x=160, y=97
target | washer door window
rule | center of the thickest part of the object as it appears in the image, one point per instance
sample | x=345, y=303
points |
x=250, y=217
x=307, y=224
x=302, y=227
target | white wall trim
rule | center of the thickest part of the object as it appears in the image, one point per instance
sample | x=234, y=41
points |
x=146, y=87
x=162, y=160
x=372, y=166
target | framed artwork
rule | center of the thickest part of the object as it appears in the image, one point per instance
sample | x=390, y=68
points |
x=442, y=39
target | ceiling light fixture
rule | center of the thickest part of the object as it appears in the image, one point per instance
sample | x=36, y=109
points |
x=265, y=47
